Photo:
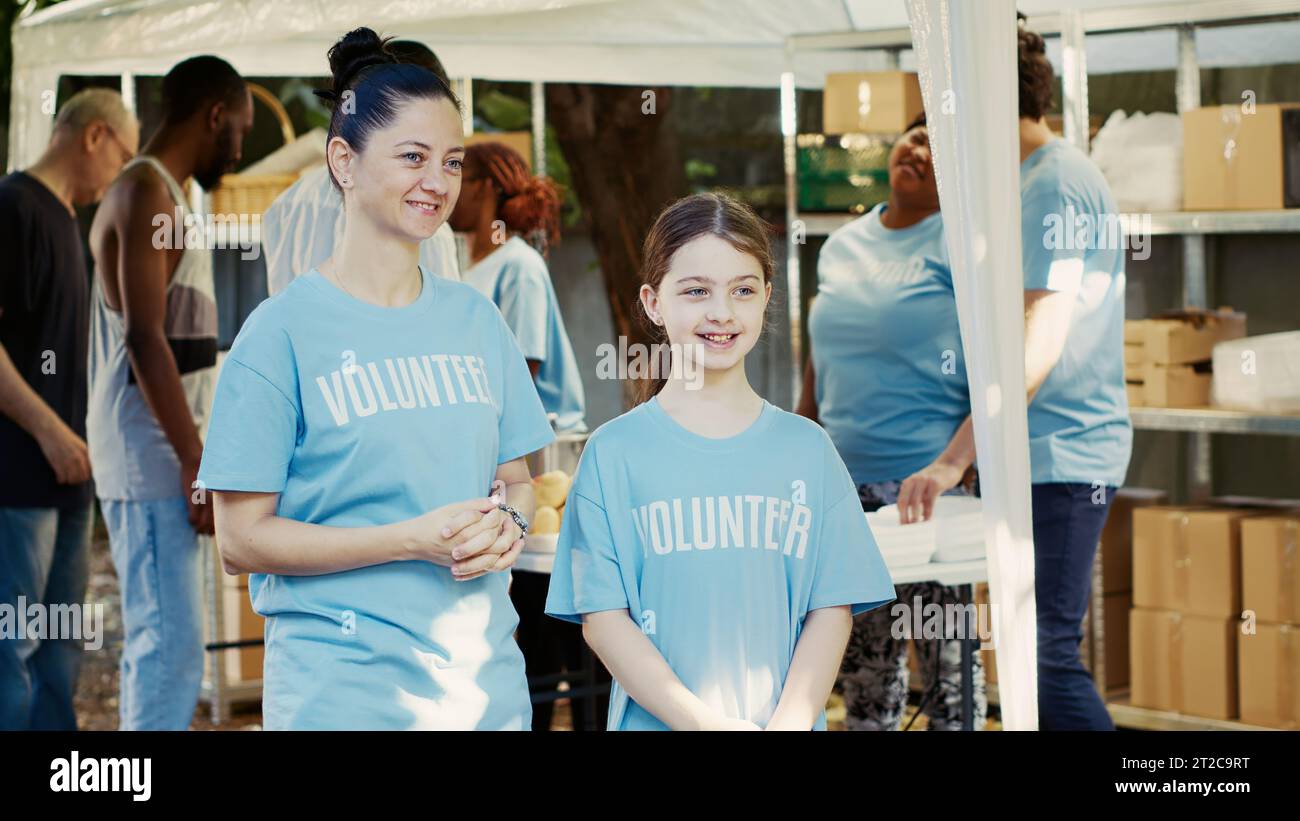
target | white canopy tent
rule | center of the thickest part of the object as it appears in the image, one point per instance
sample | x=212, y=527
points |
x=718, y=43
x=631, y=42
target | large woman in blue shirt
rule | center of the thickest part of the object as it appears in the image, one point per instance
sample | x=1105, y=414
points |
x=360, y=419
x=887, y=380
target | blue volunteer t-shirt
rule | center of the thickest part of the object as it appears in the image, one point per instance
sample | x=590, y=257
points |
x=515, y=277
x=359, y=415
x=886, y=348
x=1079, y=428
x=718, y=548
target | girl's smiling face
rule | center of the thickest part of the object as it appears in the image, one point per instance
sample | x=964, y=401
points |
x=711, y=302
x=407, y=178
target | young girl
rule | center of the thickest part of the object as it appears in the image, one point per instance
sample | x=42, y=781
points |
x=360, y=417
x=713, y=546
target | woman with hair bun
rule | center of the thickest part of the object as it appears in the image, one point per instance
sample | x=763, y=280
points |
x=501, y=203
x=361, y=417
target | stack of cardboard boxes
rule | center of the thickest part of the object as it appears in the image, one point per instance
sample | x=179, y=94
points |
x=1117, y=585
x=239, y=623
x=1269, y=644
x=1195, y=646
x=1167, y=360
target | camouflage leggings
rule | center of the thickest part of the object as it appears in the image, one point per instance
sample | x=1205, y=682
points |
x=874, y=675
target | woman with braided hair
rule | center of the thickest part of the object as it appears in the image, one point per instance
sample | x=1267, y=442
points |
x=501, y=203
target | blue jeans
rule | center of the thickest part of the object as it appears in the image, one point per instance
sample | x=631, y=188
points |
x=157, y=556
x=1068, y=518
x=44, y=558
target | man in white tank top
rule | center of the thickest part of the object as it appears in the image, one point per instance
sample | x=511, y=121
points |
x=152, y=354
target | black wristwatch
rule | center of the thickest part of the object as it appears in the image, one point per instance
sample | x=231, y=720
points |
x=517, y=516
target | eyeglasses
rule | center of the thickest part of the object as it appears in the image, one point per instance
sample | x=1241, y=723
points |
x=127, y=154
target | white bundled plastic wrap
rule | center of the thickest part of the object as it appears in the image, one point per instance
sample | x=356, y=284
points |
x=966, y=57
x=1258, y=373
x=1141, y=156
x=305, y=152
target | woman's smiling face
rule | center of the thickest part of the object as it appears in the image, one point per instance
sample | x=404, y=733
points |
x=711, y=302
x=408, y=177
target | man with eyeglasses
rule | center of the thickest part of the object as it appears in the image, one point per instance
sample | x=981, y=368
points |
x=45, y=489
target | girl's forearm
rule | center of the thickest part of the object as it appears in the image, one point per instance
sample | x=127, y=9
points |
x=640, y=669
x=812, y=673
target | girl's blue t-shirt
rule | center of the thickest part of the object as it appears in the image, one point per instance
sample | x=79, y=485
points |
x=886, y=347
x=359, y=415
x=717, y=548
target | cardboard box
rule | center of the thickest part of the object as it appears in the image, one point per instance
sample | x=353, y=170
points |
x=1241, y=161
x=1137, y=398
x=1188, y=559
x=1117, y=536
x=1180, y=341
x=880, y=102
x=1270, y=569
x=240, y=621
x=1183, y=663
x=1115, y=636
x=1175, y=386
x=1268, y=675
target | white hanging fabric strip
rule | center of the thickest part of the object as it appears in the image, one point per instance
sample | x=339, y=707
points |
x=966, y=58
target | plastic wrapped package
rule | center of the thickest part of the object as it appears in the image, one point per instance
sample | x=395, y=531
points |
x=1141, y=156
x=1258, y=373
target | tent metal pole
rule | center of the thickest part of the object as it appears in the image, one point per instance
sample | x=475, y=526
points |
x=539, y=128
x=1074, y=79
x=796, y=231
x=1195, y=276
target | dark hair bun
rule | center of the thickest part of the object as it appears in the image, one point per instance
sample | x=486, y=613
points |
x=355, y=51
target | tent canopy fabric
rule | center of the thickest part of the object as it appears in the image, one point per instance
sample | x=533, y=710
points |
x=630, y=42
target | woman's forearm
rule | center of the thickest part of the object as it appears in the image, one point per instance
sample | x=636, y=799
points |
x=640, y=669
x=960, y=452
x=812, y=673
x=274, y=544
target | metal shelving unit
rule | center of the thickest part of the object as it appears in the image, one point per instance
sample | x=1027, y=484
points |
x=1194, y=228
x=1213, y=420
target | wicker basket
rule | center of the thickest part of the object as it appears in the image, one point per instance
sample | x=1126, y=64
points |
x=254, y=193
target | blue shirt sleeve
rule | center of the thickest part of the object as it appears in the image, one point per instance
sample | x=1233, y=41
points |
x=522, y=297
x=586, y=577
x=1052, y=259
x=255, y=422
x=850, y=570
x=523, y=427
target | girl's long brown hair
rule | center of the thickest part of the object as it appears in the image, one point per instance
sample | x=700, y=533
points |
x=681, y=222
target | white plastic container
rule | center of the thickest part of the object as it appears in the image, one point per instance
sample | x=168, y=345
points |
x=1260, y=374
